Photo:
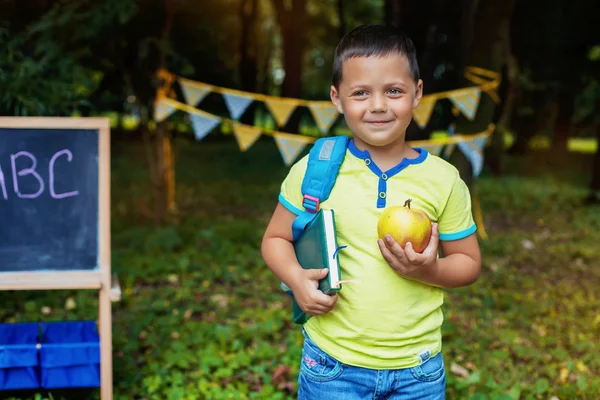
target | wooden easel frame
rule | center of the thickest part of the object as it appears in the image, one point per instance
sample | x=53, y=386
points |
x=100, y=279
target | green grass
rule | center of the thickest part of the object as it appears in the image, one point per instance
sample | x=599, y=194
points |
x=203, y=318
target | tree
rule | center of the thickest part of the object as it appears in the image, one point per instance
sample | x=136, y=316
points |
x=291, y=16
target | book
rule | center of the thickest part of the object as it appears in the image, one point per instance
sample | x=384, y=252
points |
x=317, y=248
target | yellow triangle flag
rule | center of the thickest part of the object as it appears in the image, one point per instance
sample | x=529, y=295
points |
x=422, y=113
x=291, y=145
x=324, y=114
x=281, y=108
x=246, y=135
x=466, y=100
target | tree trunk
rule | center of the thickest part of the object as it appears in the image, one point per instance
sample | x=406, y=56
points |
x=248, y=46
x=393, y=12
x=488, y=49
x=341, y=18
x=562, y=124
x=164, y=200
x=292, y=23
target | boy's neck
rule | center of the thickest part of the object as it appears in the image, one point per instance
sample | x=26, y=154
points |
x=388, y=156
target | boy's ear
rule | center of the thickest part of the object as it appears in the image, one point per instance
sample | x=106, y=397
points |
x=335, y=99
x=418, y=94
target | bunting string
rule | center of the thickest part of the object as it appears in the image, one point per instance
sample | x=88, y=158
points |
x=465, y=100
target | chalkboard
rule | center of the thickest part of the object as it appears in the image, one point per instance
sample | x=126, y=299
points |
x=49, y=199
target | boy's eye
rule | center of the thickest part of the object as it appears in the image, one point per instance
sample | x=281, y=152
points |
x=395, y=92
x=359, y=93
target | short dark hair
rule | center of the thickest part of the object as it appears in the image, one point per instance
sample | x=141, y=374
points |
x=374, y=40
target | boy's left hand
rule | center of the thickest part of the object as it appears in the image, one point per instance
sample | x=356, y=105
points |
x=407, y=262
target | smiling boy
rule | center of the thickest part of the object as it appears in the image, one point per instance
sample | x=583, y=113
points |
x=380, y=339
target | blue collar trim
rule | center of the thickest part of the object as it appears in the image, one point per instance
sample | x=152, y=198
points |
x=405, y=162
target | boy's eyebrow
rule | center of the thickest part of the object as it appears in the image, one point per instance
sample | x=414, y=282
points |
x=388, y=84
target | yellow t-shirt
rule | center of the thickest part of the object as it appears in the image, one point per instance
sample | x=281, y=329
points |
x=386, y=321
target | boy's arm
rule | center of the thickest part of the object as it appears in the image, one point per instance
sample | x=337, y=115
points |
x=459, y=266
x=278, y=253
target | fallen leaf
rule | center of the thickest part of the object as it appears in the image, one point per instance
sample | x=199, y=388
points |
x=173, y=278
x=564, y=374
x=46, y=310
x=527, y=244
x=280, y=373
x=188, y=314
x=220, y=299
x=459, y=370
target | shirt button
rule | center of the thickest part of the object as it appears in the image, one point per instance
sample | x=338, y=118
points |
x=382, y=195
x=384, y=177
x=368, y=161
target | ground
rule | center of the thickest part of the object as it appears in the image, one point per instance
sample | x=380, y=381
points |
x=203, y=318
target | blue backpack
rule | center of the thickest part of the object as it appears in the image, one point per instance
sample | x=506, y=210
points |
x=324, y=161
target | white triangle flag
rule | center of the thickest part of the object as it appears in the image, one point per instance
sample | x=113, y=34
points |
x=466, y=100
x=193, y=92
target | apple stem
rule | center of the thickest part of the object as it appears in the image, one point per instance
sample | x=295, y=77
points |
x=407, y=203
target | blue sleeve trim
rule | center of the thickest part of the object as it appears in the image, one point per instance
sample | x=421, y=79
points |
x=289, y=205
x=459, y=235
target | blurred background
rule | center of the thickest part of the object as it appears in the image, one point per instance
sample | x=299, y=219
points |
x=203, y=97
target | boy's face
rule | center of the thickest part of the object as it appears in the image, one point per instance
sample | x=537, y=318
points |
x=377, y=96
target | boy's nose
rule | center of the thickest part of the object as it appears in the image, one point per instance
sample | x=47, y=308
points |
x=378, y=104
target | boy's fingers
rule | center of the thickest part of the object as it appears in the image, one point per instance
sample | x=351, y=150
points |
x=317, y=274
x=412, y=256
x=395, y=248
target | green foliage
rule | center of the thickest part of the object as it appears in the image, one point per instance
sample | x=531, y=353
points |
x=203, y=318
x=49, y=68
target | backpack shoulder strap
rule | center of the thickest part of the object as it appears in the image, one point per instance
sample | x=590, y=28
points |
x=324, y=161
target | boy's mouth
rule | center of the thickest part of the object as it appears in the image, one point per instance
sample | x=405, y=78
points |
x=378, y=122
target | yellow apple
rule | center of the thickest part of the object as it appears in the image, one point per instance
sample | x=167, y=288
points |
x=405, y=225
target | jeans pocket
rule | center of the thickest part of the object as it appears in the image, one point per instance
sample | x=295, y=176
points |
x=431, y=370
x=318, y=365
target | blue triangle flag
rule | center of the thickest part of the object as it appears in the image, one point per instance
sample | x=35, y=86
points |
x=236, y=104
x=203, y=125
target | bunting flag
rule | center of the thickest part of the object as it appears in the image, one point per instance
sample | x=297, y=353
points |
x=448, y=150
x=422, y=113
x=474, y=155
x=162, y=109
x=246, y=135
x=466, y=100
x=473, y=151
x=203, y=124
x=324, y=114
x=281, y=109
x=434, y=149
x=194, y=92
x=291, y=145
x=236, y=103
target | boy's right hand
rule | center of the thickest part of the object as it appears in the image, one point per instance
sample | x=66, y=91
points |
x=308, y=296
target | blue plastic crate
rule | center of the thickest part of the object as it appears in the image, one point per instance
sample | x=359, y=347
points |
x=19, y=356
x=70, y=355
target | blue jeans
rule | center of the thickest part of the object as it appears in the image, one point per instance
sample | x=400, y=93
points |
x=322, y=377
